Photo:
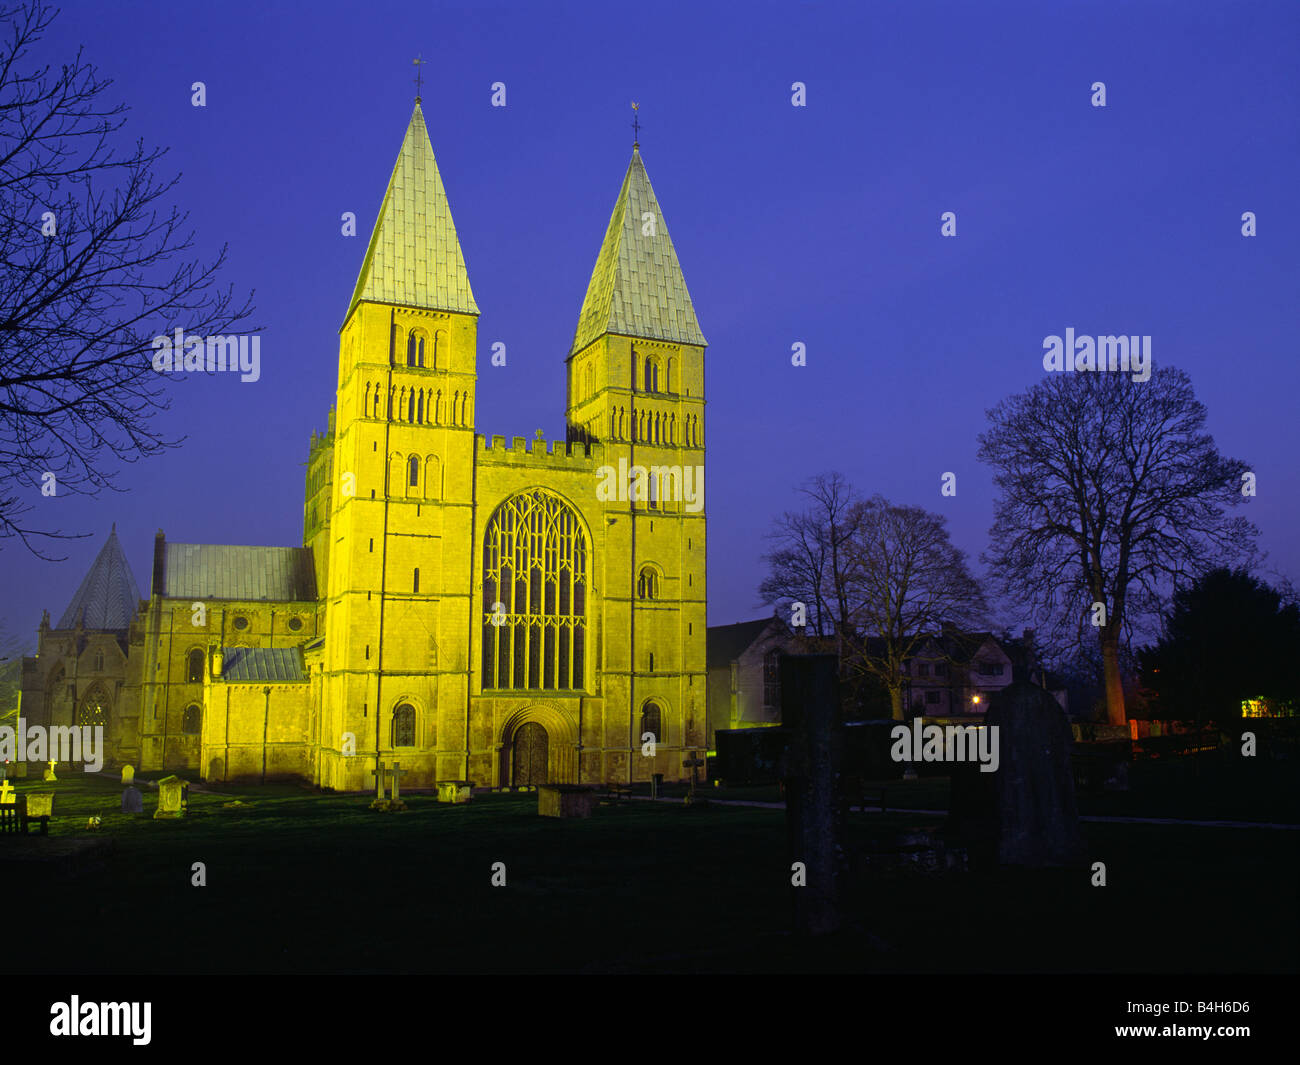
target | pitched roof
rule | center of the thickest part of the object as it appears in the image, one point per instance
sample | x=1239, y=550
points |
x=637, y=288
x=725, y=643
x=414, y=258
x=254, y=665
x=221, y=571
x=108, y=595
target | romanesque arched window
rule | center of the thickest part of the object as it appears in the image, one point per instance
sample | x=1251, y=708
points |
x=651, y=375
x=534, y=595
x=195, y=672
x=413, y=471
x=191, y=720
x=414, y=350
x=647, y=584
x=652, y=723
x=404, y=726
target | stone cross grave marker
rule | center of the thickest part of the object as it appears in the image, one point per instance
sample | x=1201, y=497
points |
x=49, y=773
x=396, y=774
x=379, y=774
x=6, y=793
x=693, y=763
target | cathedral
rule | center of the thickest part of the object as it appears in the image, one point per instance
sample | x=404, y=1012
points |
x=472, y=609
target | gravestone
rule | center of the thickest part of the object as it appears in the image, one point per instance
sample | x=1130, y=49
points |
x=6, y=793
x=694, y=763
x=454, y=791
x=128, y=775
x=1024, y=814
x=171, y=794
x=132, y=800
x=810, y=709
x=40, y=804
x=49, y=772
x=566, y=800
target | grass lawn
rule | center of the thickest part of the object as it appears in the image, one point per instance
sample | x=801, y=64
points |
x=316, y=883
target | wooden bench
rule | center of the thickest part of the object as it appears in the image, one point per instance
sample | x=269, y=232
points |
x=857, y=793
x=616, y=793
x=14, y=820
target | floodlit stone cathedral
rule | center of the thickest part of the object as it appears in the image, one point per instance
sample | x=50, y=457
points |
x=475, y=610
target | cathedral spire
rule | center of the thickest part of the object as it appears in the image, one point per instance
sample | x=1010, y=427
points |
x=414, y=258
x=637, y=288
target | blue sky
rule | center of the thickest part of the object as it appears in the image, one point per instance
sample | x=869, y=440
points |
x=818, y=225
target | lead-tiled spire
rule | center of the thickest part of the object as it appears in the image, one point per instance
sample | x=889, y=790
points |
x=108, y=595
x=637, y=288
x=414, y=258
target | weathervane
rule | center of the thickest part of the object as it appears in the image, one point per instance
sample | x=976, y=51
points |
x=636, y=125
x=419, y=77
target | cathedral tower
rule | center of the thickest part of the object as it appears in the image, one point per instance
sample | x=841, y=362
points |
x=636, y=384
x=397, y=618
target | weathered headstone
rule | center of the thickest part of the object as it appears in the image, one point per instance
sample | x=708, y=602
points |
x=40, y=804
x=132, y=800
x=170, y=797
x=454, y=791
x=128, y=775
x=1023, y=814
x=6, y=793
x=49, y=772
x=566, y=800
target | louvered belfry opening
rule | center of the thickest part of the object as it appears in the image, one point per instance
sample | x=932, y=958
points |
x=534, y=595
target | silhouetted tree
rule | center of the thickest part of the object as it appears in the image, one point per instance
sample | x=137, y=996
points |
x=93, y=266
x=877, y=576
x=1111, y=493
x=1227, y=638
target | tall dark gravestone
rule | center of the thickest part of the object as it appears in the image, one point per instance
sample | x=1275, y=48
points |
x=810, y=713
x=1024, y=814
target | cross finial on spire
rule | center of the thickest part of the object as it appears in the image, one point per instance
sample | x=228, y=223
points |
x=419, y=76
x=636, y=125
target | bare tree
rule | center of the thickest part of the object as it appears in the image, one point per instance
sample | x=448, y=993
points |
x=878, y=577
x=93, y=266
x=808, y=564
x=907, y=581
x=1111, y=494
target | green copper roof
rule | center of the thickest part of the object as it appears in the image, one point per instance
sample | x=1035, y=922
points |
x=225, y=571
x=414, y=258
x=637, y=288
x=108, y=596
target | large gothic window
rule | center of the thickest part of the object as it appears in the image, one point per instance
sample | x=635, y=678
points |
x=534, y=595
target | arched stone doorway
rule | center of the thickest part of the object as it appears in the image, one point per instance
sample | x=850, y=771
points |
x=529, y=755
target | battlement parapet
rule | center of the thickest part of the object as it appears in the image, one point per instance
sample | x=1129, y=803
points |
x=548, y=454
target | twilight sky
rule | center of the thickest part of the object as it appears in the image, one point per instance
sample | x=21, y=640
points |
x=816, y=224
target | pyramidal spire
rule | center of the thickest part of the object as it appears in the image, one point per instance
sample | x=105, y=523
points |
x=414, y=258
x=108, y=594
x=637, y=288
